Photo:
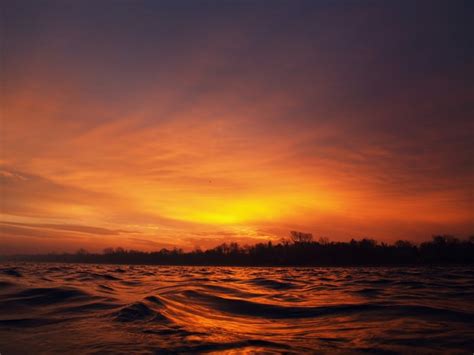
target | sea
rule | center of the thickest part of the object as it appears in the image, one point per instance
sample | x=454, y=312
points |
x=119, y=309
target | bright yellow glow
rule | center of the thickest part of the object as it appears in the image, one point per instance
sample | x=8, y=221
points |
x=230, y=212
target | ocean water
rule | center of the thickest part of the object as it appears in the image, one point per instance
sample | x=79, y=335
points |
x=88, y=309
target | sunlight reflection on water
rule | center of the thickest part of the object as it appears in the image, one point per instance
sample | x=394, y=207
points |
x=79, y=308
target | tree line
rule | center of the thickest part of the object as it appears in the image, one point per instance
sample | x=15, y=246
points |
x=299, y=249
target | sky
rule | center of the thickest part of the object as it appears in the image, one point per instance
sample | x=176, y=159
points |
x=151, y=124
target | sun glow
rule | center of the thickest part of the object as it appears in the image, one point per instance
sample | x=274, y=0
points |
x=256, y=207
x=174, y=134
x=232, y=212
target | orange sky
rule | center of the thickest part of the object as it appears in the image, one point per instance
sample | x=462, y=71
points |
x=159, y=126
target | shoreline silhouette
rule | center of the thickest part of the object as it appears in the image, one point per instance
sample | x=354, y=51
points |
x=298, y=250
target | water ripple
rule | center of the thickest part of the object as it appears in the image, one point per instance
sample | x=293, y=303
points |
x=157, y=309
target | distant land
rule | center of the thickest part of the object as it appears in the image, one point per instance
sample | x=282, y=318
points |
x=298, y=250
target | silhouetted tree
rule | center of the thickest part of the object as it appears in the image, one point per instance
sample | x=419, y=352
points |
x=323, y=240
x=403, y=244
x=443, y=249
x=301, y=237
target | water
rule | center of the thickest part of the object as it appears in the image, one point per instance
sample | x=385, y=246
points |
x=80, y=309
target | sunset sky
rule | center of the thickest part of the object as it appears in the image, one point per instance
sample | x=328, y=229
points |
x=150, y=124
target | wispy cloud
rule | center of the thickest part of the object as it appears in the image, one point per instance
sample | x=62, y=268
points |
x=215, y=125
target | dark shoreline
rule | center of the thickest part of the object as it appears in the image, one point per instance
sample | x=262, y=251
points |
x=300, y=252
x=434, y=265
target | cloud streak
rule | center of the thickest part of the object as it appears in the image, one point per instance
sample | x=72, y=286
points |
x=235, y=118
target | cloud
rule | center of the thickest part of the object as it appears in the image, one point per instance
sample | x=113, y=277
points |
x=71, y=228
x=32, y=195
x=219, y=123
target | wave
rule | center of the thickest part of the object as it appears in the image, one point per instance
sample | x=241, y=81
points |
x=11, y=272
x=85, y=276
x=272, y=311
x=45, y=296
x=272, y=284
x=139, y=312
x=28, y=322
x=105, y=288
x=88, y=307
x=6, y=284
x=251, y=346
x=54, y=308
